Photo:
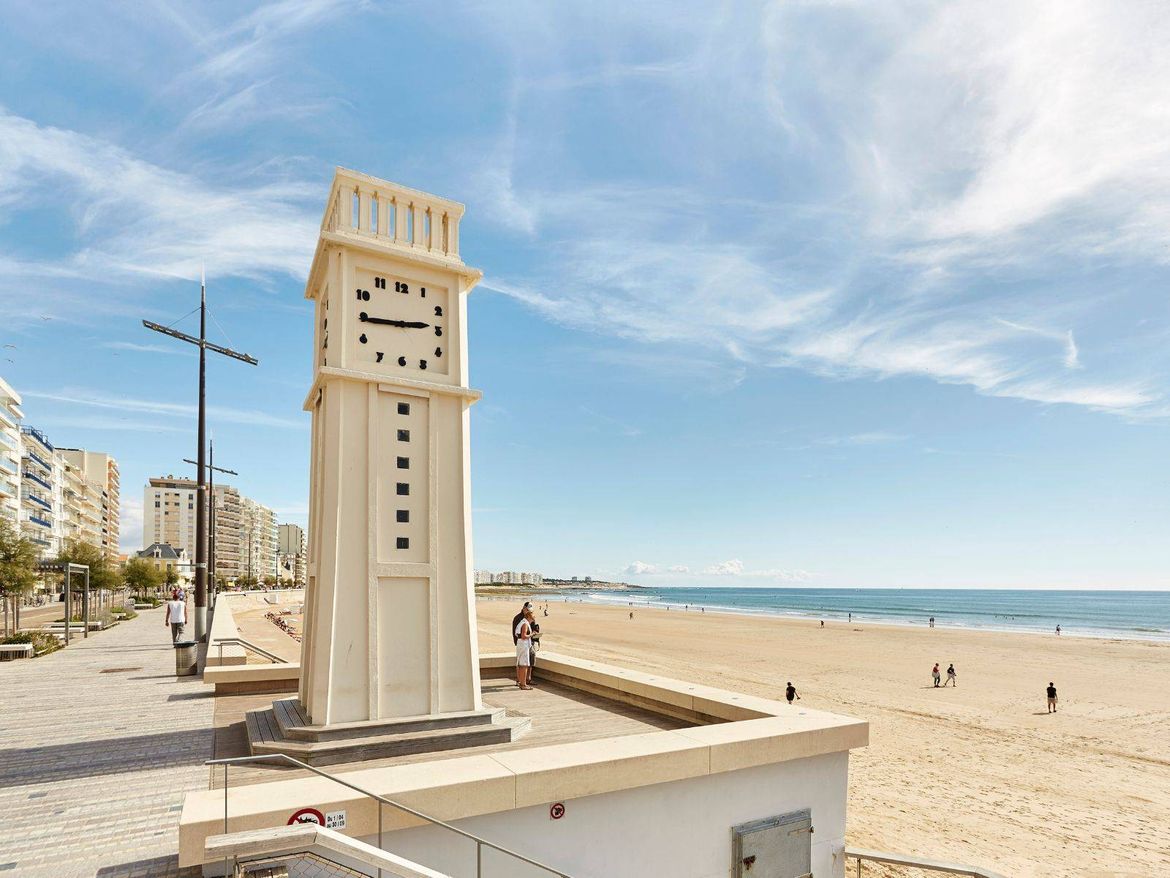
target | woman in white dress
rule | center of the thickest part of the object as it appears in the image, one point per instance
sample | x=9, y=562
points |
x=524, y=650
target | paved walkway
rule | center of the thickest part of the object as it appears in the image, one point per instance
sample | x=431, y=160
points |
x=98, y=744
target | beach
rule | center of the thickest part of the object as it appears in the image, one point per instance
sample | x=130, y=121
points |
x=978, y=774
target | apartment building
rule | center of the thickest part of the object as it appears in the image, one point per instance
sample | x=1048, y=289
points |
x=291, y=539
x=244, y=533
x=100, y=472
x=10, y=453
x=508, y=577
x=40, y=491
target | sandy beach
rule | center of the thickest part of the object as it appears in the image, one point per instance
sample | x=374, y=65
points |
x=980, y=773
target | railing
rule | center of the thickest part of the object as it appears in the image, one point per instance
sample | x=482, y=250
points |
x=41, y=500
x=32, y=455
x=40, y=521
x=946, y=868
x=28, y=474
x=480, y=843
x=239, y=641
x=39, y=436
x=393, y=214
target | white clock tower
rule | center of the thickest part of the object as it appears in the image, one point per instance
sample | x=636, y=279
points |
x=389, y=628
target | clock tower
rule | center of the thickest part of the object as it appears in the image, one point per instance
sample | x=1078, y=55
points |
x=389, y=625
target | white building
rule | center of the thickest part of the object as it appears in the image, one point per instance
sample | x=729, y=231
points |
x=10, y=444
x=102, y=494
x=291, y=540
x=40, y=492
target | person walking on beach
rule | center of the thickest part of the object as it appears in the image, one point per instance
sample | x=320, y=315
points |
x=932, y=621
x=1058, y=631
x=790, y=692
x=176, y=615
x=1051, y=697
x=937, y=674
x=952, y=678
x=523, y=632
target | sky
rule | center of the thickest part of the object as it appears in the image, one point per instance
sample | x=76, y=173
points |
x=835, y=294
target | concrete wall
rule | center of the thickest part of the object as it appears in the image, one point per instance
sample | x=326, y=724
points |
x=680, y=829
x=223, y=625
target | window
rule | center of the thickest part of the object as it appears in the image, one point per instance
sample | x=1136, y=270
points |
x=403, y=543
x=404, y=408
x=404, y=463
x=156, y=504
x=404, y=515
x=403, y=489
x=403, y=435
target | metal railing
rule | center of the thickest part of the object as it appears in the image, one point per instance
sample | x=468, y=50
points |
x=480, y=843
x=239, y=641
x=911, y=862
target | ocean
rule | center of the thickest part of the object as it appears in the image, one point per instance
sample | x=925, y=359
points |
x=1141, y=615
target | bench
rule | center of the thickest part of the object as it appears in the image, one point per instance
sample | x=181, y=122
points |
x=10, y=651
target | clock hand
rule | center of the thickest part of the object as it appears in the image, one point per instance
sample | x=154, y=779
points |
x=405, y=324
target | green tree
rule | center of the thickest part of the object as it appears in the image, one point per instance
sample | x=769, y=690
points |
x=18, y=574
x=141, y=577
x=103, y=578
x=269, y=581
x=171, y=577
x=245, y=581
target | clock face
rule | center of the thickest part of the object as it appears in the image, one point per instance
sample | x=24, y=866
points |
x=402, y=325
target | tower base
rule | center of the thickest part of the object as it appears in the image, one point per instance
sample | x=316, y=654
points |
x=284, y=728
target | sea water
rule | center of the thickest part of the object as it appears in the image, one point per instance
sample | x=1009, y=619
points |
x=1126, y=614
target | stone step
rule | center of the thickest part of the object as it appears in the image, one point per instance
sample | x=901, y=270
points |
x=264, y=736
x=291, y=720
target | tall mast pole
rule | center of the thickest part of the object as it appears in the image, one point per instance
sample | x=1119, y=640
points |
x=201, y=477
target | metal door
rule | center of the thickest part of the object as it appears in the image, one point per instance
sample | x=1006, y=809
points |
x=776, y=847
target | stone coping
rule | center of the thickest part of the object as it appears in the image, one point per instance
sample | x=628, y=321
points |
x=747, y=732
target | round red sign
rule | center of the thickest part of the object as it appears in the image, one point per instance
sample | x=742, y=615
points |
x=557, y=811
x=307, y=815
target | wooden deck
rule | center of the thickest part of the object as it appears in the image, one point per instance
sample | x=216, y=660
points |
x=559, y=715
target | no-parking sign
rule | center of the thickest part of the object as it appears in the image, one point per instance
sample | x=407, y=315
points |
x=307, y=815
x=556, y=811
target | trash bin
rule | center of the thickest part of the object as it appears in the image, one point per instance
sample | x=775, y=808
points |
x=186, y=658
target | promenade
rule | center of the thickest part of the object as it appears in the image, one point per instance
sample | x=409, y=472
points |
x=98, y=744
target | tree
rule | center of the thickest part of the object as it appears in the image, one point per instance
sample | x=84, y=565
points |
x=102, y=578
x=244, y=581
x=269, y=581
x=141, y=576
x=18, y=573
x=171, y=577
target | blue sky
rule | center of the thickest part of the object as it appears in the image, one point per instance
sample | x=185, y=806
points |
x=837, y=294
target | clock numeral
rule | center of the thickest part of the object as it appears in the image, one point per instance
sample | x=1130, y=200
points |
x=422, y=364
x=380, y=355
x=362, y=338
x=363, y=317
x=423, y=291
x=438, y=311
x=438, y=352
x=438, y=330
x=325, y=323
x=400, y=287
x=379, y=283
x=363, y=295
x=402, y=361
x=325, y=343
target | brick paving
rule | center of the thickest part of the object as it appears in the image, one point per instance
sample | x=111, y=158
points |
x=93, y=765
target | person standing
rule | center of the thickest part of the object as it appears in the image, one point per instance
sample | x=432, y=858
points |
x=518, y=617
x=523, y=633
x=790, y=692
x=952, y=677
x=1058, y=631
x=176, y=615
x=937, y=674
x=1051, y=697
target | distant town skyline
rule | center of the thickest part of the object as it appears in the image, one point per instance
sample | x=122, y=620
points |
x=797, y=294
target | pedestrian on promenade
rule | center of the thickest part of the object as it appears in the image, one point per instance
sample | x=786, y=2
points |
x=790, y=692
x=176, y=615
x=1051, y=697
x=518, y=617
x=523, y=632
x=937, y=674
x=952, y=678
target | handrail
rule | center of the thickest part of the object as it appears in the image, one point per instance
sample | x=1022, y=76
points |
x=949, y=868
x=239, y=641
x=480, y=843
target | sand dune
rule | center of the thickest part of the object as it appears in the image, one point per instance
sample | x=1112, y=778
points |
x=979, y=774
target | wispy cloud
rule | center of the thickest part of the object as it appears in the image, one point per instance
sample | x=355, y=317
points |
x=733, y=568
x=98, y=399
x=147, y=348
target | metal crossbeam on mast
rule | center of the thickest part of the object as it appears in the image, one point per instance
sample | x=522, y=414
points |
x=201, y=464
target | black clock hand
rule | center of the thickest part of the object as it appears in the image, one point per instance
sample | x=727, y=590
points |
x=405, y=324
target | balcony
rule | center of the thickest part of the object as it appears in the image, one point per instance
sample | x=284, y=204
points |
x=40, y=501
x=9, y=465
x=34, y=477
x=39, y=436
x=36, y=458
x=41, y=521
x=7, y=419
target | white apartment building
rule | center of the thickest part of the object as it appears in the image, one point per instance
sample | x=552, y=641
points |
x=244, y=531
x=10, y=444
x=100, y=473
x=40, y=492
x=291, y=539
x=508, y=577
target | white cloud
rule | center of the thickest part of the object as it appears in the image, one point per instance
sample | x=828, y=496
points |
x=130, y=524
x=101, y=400
x=734, y=567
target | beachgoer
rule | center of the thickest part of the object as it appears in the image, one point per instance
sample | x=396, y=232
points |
x=936, y=674
x=1051, y=697
x=1058, y=631
x=519, y=617
x=932, y=621
x=822, y=623
x=176, y=615
x=523, y=632
x=631, y=614
x=951, y=676
x=790, y=692
x=850, y=617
